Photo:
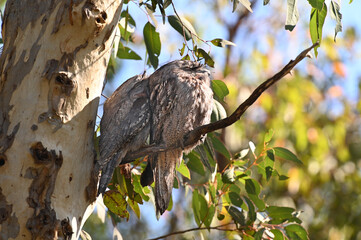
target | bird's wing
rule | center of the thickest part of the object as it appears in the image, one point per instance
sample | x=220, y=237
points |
x=124, y=126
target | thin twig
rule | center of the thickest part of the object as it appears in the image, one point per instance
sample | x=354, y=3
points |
x=197, y=229
x=193, y=136
x=104, y=96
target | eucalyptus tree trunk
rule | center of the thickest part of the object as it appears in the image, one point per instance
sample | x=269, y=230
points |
x=53, y=63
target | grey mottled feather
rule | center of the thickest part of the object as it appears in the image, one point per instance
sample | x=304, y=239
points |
x=181, y=99
x=124, y=126
x=174, y=100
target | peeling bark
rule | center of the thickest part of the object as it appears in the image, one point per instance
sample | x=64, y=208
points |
x=52, y=69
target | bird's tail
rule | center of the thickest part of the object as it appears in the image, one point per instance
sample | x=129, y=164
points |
x=165, y=164
x=107, y=171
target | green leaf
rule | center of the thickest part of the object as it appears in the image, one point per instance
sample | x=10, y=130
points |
x=218, y=111
x=258, y=235
x=196, y=207
x=280, y=213
x=237, y=215
x=166, y=3
x=205, y=154
x=218, y=42
x=283, y=177
x=318, y=4
x=183, y=169
x=194, y=164
x=176, y=23
x=278, y=235
x=295, y=231
x=203, y=54
x=236, y=199
x=228, y=175
x=211, y=210
x=200, y=208
x=152, y=43
x=251, y=186
x=286, y=154
x=127, y=53
x=220, y=217
x=336, y=14
x=316, y=24
x=268, y=136
x=251, y=210
x=292, y=15
x=219, y=147
x=138, y=187
x=266, y=166
x=135, y=207
x=170, y=205
x=219, y=89
x=116, y=203
x=125, y=14
x=212, y=192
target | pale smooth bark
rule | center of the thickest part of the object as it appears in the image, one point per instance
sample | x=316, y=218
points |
x=52, y=68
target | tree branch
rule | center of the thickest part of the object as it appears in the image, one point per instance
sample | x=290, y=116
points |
x=197, y=229
x=193, y=136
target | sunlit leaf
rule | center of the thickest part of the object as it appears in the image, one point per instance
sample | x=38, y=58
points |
x=116, y=203
x=183, y=169
x=286, y=154
x=252, y=146
x=138, y=187
x=280, y=213
x=292, y=15
x=336, y=14
x=318, y=4
x=135, y=207
x=170, y=205
x=295, y=231
x=278, y=235
x=152, y=43
x=243, y=153
x=211, y=210
x=200, y=208
x=228, y=176
x=268, y=136
x=222, y=43
x=316, y=24
x=208, y=59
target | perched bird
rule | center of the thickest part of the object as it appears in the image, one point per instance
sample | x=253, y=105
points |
x=174, y=100
x=124, y=126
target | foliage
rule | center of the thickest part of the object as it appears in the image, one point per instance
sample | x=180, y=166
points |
x=240, y=199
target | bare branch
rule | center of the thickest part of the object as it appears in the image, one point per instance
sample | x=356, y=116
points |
x=196, y=134
x=220, y=228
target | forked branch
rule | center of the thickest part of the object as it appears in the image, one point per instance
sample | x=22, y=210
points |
x=196, y=134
